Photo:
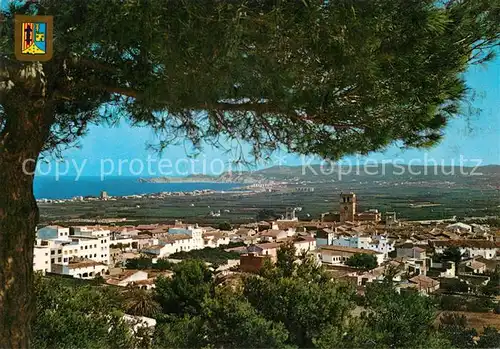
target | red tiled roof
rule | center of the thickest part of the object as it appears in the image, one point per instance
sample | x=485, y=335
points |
x=269, y=245
x=466, y=243
x=84, y=264
x=423, y=281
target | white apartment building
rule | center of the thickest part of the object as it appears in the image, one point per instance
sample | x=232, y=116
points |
x=41, y=259
x=79, y=243
x=196, y=234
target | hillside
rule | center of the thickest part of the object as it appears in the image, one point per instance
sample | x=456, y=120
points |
x=482, y=176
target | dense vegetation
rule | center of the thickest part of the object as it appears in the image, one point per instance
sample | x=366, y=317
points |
x=292, y=304
x=362, y=261
x=144, y=262
x=213, y=255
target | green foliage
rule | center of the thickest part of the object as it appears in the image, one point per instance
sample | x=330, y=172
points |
x=266, y=214
x=492, y=288
x=78, y=317
x=480, y=305
x=455, y=328
x=180, y=332
x=139, y=263
x=455, y=285
x=490, y=338
x=285, y=259
x=147, y=263
x=281, y=308
x=449, y=302
x=305, y=302
x=186, y=291
x=253, y=330
x=312, y=76
x=141, y=302
x=213, y=255
x=225, y=226
x=362, y=261
x=163, y=264
x=235, y=244
x=404, y=320
x=451, y=254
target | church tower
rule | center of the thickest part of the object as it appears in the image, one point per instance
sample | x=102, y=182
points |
x=347, y=207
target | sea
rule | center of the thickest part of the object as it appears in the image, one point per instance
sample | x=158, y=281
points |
x=68, y=187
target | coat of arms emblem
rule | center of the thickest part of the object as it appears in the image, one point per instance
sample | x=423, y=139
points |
x=33, y=38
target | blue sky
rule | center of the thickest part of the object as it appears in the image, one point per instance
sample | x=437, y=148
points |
x=476, y=135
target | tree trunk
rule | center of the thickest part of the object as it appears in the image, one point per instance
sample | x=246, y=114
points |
x=18, y=219
x=21, y=140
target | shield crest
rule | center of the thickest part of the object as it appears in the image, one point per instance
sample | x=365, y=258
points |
x=33, y=38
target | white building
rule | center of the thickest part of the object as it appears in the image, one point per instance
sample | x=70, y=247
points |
x=81, y=269
x=79, y=243
x=469, y=248
x=459, y=228
x=352, y=241
x=215, y=239
x=325, y=236
x=196, y=234
x=378, y=243
x=41, y=259
x=382, y=244
x=338, y=255
x=305, y=244
x=177, y=240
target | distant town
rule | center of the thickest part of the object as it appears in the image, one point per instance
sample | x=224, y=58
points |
x=415, y=249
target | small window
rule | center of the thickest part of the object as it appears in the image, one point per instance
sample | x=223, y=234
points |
x=59, y=259
x=52, y=252
x=52, y=260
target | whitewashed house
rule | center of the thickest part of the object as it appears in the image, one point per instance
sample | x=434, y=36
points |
x=304, y=244
x=215, y=239
x=338, y=255
x=469, y=248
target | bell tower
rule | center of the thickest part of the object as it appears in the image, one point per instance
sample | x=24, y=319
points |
x=347, y=207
